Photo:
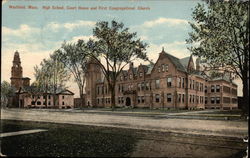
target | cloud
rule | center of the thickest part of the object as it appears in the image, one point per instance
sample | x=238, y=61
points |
x=177, y=49
x=23, y=32
x=70, y=25
x=169, y=21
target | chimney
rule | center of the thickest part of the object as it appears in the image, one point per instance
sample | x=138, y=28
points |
x=198, y=67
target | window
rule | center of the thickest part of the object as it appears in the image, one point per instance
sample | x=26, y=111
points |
x=197, y=86
x=166, y=67
x=234, y=91
x=201, y=87
x=63, y=97
x=140, y=74
x=179, y=81
x=226, y=100
x=183, y=97
x=234, y=100
x=122, y=100
x=138, y=99
x=98, y=101
x=157, y=98
x=218, y=100
x=190, y=84
x=63, y=103
x=193, y=84
x=205, y=89
x=201, y=99
x=179, y=98
x=142, y=86
x=147, y=86
x=44, y=103
x=169, y=81
x=226, y=89
x=205, y=100
x=49, y=96
x=130, y=76
x=212, y=100
x=33, y=97
x=139, y=86
x=217, y=88
x=162, y=67
x=159, y=69
x=183, y=81
x=190, y=98
x=49, y=103
x=212, y=88
x=33, y=103
x=38, y=103
x=157, y=84
x=38, y=97
x=142, y=99
x=169, y=97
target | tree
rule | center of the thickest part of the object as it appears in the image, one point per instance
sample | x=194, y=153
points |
x=51, y=76
x=6, y=91
x=114, y=48
x=221, y=36
x=74, y=57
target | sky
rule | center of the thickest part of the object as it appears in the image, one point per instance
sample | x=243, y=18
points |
x=36, y=33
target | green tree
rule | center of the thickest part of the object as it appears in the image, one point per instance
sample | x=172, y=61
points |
x=74, y=57
x=221, y=36
x=6, y=91
x=51, y=76
x=114, y=48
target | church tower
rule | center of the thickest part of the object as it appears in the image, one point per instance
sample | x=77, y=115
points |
x=16, y=72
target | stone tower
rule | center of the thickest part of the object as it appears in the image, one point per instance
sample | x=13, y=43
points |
x=17, y=79
x=16, y=72
x=93, y=75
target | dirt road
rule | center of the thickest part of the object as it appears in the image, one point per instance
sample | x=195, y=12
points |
x=227, y=128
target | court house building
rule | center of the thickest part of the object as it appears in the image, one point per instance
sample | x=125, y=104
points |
x=169, y=83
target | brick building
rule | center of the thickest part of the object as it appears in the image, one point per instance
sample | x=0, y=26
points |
x=25, y=96
x=169, y=83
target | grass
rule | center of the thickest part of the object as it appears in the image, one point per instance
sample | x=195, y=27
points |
x=66, y=140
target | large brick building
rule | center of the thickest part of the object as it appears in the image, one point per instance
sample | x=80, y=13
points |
x=169, y=83
x=25, y=96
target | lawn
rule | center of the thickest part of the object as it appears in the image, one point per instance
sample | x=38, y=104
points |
x=66, y=140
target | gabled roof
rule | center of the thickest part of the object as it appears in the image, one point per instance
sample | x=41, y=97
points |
x=175, y=61
x=66, y=91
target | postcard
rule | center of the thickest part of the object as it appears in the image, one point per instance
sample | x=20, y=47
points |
x=129, y=78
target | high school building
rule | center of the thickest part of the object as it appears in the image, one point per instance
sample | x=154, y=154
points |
x=169, y=83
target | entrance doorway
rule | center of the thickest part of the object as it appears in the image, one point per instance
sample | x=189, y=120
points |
x=128, y=101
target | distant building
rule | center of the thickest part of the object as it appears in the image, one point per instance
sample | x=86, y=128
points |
x=169, y=83
x=25, y=96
